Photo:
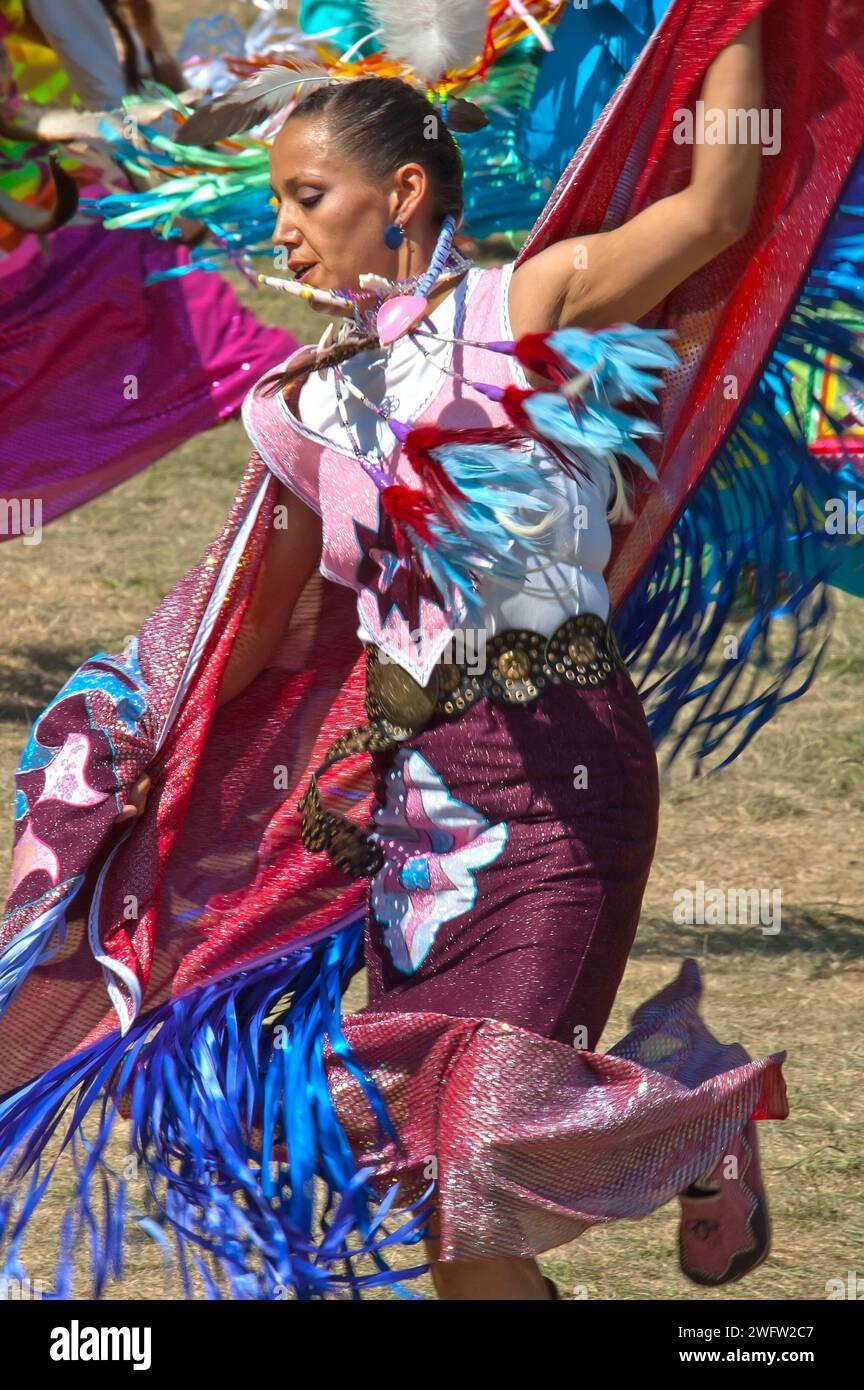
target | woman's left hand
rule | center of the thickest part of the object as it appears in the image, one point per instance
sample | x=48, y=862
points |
x=134, y=807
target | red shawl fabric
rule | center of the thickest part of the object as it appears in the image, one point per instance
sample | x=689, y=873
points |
x=214, y=874
x=728, y=314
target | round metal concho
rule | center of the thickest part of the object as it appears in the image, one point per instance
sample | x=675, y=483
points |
x=461, y=691
x=514, y=664
x=577, y=651
x=515, y=673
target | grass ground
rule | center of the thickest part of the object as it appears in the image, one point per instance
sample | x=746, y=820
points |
x=787, y=815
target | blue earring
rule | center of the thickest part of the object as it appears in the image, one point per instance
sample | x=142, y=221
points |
x=394, y=236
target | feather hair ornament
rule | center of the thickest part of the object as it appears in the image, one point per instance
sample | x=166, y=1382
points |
x=431, y=37
x=250, y=102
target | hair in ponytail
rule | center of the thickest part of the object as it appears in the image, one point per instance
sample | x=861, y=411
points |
x=384, y=122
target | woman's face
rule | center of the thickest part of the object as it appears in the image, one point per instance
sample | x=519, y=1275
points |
x=330, y=218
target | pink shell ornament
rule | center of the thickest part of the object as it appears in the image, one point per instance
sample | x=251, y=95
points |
x=396, y=316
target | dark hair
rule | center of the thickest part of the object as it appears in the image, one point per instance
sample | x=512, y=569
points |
x=382, y=123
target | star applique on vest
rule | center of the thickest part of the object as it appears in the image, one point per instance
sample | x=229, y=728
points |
x=394, y=585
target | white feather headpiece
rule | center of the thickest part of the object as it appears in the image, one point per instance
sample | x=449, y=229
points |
x=433, y=36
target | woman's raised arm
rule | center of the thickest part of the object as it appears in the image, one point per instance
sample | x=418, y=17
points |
x=618, y=276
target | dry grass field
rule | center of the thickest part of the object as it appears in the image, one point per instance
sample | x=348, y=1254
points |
x=787, y=815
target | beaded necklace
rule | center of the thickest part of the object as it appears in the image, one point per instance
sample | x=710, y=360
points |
x=384, y=412
x=396, y=308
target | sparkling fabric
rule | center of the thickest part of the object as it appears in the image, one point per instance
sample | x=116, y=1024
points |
x=518, y=868
x=61, y=1003
x=531, y=1141
x=727, y=314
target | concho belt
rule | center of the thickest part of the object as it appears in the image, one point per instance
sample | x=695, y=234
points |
x=520, y=665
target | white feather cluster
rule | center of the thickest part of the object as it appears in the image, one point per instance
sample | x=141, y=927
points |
x=433, y=36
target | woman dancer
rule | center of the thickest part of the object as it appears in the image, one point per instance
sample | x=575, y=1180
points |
x=548, y=957
x=514, y=799
x=530, y=913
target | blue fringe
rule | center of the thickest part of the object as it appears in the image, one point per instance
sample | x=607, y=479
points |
x=673, y=622
x=200, y=1074
x=497, y=482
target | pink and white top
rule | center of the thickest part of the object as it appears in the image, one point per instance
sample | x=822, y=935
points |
x=304, y=443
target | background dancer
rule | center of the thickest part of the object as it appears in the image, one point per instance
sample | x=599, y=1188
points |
x=133, y=368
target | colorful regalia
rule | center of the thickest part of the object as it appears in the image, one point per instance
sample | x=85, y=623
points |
x=271, y=1128
x=81, y=322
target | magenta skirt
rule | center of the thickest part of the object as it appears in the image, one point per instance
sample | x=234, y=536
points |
x=519, y=840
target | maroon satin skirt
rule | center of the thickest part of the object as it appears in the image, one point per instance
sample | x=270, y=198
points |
x=519, y=840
